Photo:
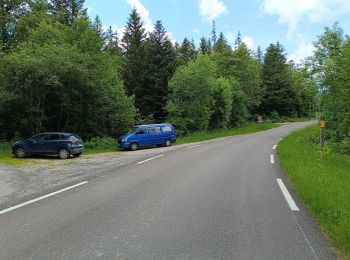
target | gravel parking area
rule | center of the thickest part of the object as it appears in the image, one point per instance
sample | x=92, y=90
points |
x=48, y=174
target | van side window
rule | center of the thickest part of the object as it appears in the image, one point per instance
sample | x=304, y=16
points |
x=167, y=129
x=141, y=131
x=154, y=130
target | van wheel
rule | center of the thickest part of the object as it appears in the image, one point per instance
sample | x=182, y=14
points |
x=134, y=146
x=21, y=153
x=63, y=154
x=167, y=143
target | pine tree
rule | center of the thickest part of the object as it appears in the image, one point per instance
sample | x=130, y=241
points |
x=259, y=55
x=133, y=43
x=221, y=44
x=186, y=52
x=67, y=11
x=279, y=96
x=112, y=43
x=238, y=40
x=213, y=34
x=160, y=66
x=205, y=46
x=98, y=26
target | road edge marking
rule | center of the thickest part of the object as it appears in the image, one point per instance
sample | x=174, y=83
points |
x=272, y=159
x=293, y=206
x=41, y=198
x=274, y=147
x=193, y=146
x=155, y=157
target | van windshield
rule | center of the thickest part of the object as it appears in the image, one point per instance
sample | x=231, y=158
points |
x=132, y=130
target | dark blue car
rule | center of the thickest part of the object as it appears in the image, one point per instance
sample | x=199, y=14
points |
x=148, y=135
x=56, y=143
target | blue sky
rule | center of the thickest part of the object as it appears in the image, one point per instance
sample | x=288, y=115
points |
x=294, y=23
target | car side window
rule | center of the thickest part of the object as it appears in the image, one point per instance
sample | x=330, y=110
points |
x=54, y=137
x=39, y=138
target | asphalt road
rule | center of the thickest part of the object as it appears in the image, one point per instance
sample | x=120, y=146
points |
x=216, y=200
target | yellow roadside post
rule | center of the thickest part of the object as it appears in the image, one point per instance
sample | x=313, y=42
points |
x=322, y=130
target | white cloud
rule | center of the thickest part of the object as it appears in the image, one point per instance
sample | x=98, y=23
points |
x=211, y=9
x=305, y=49
x=249, y=41
x=291, y=12
x=196, y=30
x=144, y=13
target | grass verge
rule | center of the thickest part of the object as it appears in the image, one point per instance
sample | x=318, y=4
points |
x=108, y=144
x=322, y=179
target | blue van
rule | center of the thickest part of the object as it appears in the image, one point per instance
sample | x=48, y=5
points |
x=148, y=135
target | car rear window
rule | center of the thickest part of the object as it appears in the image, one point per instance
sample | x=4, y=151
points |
x=73, y=139
x=167, y=129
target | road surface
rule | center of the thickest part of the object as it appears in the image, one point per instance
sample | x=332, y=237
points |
x=222, y=199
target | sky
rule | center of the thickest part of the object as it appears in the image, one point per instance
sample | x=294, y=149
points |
x=294, y=23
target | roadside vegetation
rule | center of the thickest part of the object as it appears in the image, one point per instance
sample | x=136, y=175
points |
x=322, y=179
x=62, y=70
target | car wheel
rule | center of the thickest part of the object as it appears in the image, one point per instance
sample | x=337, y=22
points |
x=63, y=154
x=167, y=143
x=134, y=146
x=21, y=153
x=77, y=154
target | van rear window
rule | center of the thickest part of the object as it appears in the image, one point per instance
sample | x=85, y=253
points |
x=167, y=129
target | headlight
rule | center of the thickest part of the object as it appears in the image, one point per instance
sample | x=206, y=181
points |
x=124, y=140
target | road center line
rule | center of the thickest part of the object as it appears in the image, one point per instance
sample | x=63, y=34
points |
x=150, y=159
x=194, y=146
x=287, y=195
x=41, y=198
x=274, y=147
x=272, y=160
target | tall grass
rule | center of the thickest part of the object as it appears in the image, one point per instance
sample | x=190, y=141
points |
x=322, y=179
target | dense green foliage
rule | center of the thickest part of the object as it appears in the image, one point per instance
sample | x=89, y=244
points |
x=192, y=87
x=322, y=180
x=331, y=66
x=62, y=71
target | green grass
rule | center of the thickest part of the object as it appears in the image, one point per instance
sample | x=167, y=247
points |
x=7, y=157
x=322, y=179
x=250, y=128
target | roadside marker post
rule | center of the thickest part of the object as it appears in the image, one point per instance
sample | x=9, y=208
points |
x=322, y=131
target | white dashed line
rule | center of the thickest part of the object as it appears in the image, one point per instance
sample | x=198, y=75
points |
x=287, y=196
x=272, y=160
x=41, y=198
x=150, y=159
x=194, y=146
x=274, y=147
